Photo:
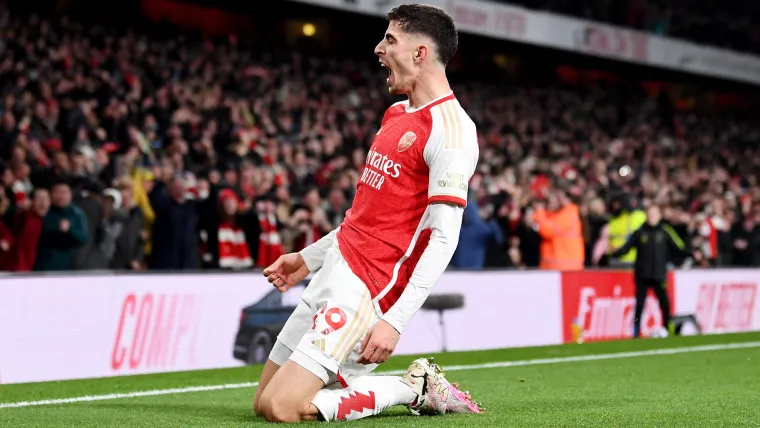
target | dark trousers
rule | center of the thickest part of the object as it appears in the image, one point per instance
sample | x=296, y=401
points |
x=642, y=286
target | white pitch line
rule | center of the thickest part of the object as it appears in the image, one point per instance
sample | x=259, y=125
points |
x=88, y=398
x=500, y=364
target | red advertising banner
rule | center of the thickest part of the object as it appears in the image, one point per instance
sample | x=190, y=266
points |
x=723, y=300
x=600, y=305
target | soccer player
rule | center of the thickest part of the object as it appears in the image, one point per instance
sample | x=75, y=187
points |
x=378, y=267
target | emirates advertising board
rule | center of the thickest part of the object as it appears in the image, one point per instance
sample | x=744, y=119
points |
x=59, y=327
x=600, y=305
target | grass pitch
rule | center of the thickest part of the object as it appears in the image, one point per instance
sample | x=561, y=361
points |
x=558, y=386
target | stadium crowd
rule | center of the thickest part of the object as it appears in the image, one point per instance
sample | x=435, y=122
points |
x=731, y=25
x=125, y=152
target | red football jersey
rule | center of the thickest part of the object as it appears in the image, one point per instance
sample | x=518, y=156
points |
x=419, y=156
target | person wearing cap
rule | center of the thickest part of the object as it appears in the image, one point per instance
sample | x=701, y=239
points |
x=109, y=230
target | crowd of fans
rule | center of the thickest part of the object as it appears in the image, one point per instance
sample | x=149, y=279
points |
x=730, y=25
x=124, y=152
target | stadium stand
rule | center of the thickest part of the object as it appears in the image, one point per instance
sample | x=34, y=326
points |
x=730, y=25
x=184, y=154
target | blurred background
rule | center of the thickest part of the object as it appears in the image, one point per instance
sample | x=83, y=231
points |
x=173, y=135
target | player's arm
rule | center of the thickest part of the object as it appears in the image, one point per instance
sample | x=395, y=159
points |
x=292, y=268
x=314, y=254
x=451, y=155
x=444, y=220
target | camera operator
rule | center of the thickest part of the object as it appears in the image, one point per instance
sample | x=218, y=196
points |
x=655, y=243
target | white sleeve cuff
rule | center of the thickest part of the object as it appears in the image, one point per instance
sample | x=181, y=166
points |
x=314, y=254
x=407, y=305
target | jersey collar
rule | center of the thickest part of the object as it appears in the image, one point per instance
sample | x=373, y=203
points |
x=449, y=95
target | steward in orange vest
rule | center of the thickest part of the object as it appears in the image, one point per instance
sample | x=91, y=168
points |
x=561, y=233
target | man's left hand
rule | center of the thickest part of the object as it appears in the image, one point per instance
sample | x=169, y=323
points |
x=378, y=344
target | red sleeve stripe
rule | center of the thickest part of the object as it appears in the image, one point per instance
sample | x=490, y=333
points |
x=446, y=198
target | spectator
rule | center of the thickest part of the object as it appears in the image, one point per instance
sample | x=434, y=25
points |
x=594, y=218
x=746, y=239
x=6, y=237
x=559, y=226
x=64, y=229
x=308, y=221
x=527, y=238
x=625, y=218
x=175, y=242
x=232, y=251
x=88, y=199
x=104, y=104
x=474, y=237
x=142, y=184
x=336, y=207
x=130, y=246
x=26, y=230
x=270, y=240
x=715, y=228
x=108, y=232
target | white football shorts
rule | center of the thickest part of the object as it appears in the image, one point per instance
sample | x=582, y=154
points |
x=325, y=332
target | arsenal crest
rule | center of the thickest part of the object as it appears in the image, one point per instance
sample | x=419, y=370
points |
x=406, y=141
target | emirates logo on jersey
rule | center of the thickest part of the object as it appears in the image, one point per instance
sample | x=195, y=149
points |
x=406, y=141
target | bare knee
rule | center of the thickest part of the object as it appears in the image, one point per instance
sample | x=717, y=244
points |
x=281, y=401
x=283, y=414
x=274, y=410
x=256, y=405
x=270, y=368
x=282, y=408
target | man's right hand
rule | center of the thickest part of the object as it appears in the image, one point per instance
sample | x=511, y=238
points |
x=287, y=271
x=64, y=225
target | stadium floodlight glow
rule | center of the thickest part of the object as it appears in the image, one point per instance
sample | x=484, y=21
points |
x=309, y=29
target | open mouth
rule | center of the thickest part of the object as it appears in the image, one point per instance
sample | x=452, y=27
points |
x=388, y=69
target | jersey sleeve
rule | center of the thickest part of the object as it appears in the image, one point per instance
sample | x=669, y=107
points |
x=451, y=154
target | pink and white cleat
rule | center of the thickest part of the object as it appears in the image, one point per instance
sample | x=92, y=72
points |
x=435, y=395
x=458, y=401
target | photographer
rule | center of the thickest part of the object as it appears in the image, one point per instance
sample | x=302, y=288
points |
x=655, y=243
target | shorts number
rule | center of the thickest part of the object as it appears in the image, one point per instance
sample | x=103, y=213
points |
x=335, y=319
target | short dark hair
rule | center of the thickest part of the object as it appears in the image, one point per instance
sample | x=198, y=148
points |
x=430, y=21
x=60, y=181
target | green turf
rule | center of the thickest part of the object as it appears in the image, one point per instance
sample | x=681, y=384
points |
x=699, y=389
